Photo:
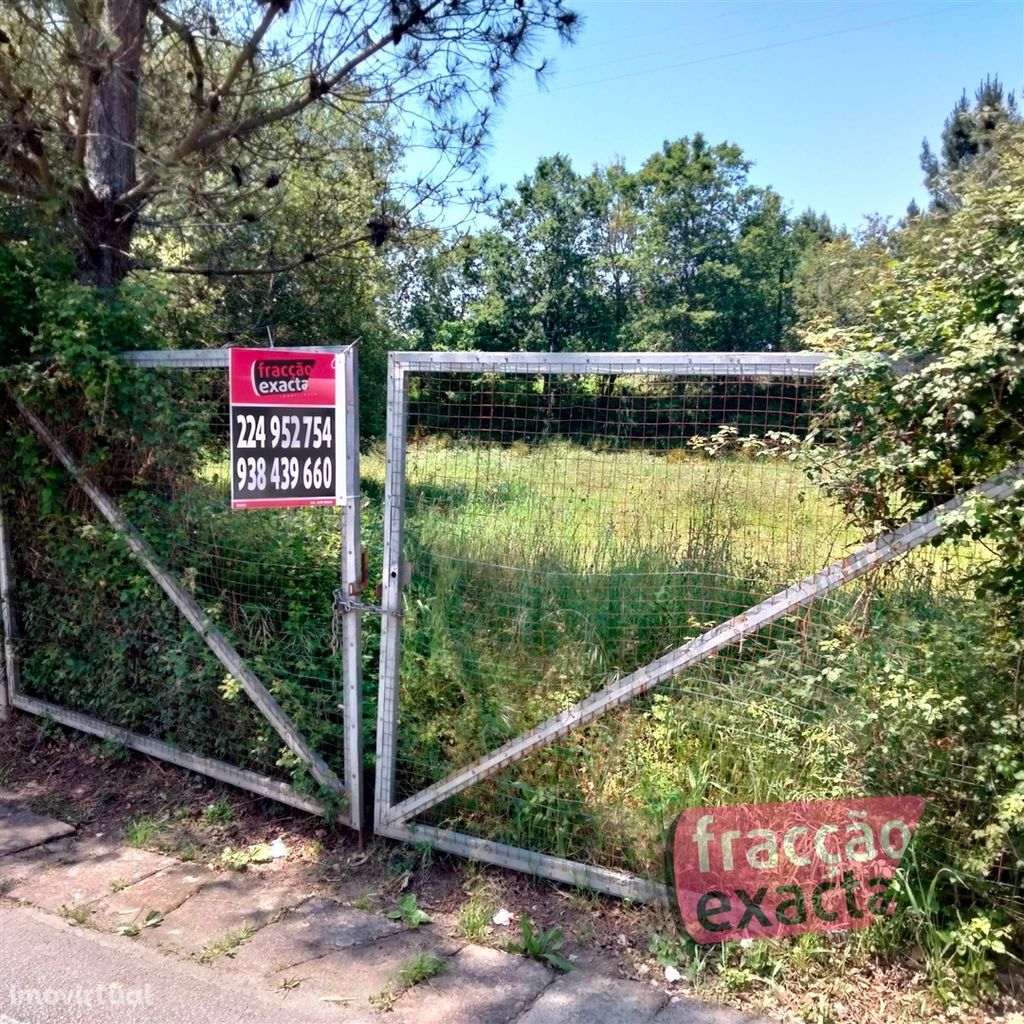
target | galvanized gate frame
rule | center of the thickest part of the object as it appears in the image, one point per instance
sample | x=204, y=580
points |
x=396, y=820
x=351, y=580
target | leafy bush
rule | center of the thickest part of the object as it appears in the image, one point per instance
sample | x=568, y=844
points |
x=944, y=406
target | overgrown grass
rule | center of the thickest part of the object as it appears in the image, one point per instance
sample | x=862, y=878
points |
x=540, y=575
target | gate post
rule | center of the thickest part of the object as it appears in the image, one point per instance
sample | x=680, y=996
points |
x=9, y=667
x=352, y=583
x=390, y=641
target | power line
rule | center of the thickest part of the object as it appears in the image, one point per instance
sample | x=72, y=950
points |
x=748, y=50
x=714, y=39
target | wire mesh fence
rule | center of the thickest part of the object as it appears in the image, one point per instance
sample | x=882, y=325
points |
x=241, y=664
x=615, y=588
x=631, y=592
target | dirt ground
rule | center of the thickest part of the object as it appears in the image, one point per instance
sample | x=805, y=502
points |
x=106, y=791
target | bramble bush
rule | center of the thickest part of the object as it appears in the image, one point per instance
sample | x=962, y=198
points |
x=942, y=410
x=99, y=635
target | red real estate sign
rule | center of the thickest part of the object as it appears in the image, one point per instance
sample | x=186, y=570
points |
x=287, y=410
x=762, y=870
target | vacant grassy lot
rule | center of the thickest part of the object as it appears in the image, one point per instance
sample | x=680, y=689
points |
x=541, y=574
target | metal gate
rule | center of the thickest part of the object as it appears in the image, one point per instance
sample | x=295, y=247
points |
x=600, y=572
x=297, y=682
x=457, y=423
x=609, y=591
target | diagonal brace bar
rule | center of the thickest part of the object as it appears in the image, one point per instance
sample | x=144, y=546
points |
x=187, y=605
x=877, y=552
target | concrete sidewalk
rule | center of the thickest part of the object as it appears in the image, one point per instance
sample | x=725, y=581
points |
x=201, y=946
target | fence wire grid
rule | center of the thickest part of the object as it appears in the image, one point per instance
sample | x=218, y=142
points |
x=565, y=525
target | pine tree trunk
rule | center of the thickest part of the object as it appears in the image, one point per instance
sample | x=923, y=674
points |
x=105, y=223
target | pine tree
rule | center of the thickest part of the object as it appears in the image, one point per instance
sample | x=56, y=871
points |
x=968, y=135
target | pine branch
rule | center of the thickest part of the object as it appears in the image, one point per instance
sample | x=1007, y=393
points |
x=306, y=259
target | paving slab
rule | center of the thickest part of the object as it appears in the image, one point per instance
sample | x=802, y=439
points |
x=21, y=829
x=481, y=986
x=20, y=866
x=83, y=873
x=165, y=891
x=681, y=1010
x=53, y=974
x=225, y=903
x=308, y=931
x=344, y=982
x=580, y=997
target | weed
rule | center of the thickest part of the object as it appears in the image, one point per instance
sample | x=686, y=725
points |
x=540, y=945
x=366, y=901
x=408, y=912
x=140, y=832
x=414, y=971
x=289, y=983
x=220, y=812
x=667, y=950
x=404, y=860
x=119, y=884
x=420, y=968
x=583, y=931
x=239, y=860
x=50, y=728
x=682, y=953
x=6, y=773
x=111, y=750
x=187, y=851
x=228, y=945
x=56, y=805
x=313, y=851
x=960, y=952
x=476, y=913
x=809, y=950
x=152, y=919
x=76, y=913
x=425, y=854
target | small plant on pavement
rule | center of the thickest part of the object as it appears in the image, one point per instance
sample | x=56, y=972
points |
x=132, y=928
x=541, y=945
x=415, y=970
x=228, y=945
x=408, y=912
x=76, y=914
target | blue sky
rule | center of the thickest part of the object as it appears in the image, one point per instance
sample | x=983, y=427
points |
x=829, y=100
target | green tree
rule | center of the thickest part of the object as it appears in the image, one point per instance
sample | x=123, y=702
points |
x=948, y=305
x=540, y=266
x=618, y=232
x=768, y=251
x=116, y=111
x=712, y=259
x=834, y=282
x=968, y=135
x=437, y=280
